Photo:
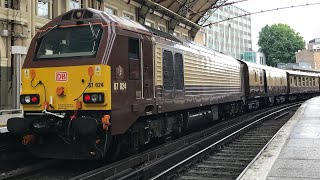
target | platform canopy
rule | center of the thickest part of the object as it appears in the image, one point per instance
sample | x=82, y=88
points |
x=187, y=13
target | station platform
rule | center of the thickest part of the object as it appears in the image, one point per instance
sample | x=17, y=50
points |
x=294, y=153
x=4, y=117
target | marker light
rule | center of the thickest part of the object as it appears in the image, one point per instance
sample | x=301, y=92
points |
x=87, y=98
x=34, y=99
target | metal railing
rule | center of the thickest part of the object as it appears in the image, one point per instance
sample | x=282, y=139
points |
x=10, y=111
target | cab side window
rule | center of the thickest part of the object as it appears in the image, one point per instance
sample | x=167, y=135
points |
x=134, y=59
x=133, y=49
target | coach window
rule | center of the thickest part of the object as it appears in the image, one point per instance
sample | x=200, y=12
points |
x=134, y=58
x=178, y=70
x=167, y=70
x=313, y=82
x=305, y=81
x=255, y=76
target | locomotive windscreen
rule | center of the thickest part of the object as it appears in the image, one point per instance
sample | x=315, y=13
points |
x=69, y=42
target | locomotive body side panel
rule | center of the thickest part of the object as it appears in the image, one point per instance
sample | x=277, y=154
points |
x=211, y=79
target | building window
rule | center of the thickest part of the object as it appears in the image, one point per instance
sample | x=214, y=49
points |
x=162, y=27
x=74, y=4
x=43, y=8
x=184, y=36
x=12, y=4
x=176, y=33
x=128, y=16
x=110, y=10
x=149, y=23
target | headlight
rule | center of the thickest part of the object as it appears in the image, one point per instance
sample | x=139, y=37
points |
x=94, y=97
x=27, y=99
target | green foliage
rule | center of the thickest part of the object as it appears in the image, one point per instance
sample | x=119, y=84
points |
x=279, y=42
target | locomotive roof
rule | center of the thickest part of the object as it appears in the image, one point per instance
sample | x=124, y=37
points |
x=87, y=15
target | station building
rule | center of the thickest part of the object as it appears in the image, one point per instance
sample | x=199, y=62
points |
x=20, y=19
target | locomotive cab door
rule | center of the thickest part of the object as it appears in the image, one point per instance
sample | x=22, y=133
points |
x=140, y=70
x=147, y=74
x=147, y=68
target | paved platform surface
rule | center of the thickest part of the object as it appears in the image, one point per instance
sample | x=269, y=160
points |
x=295, y=152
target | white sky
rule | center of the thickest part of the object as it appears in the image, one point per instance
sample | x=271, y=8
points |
x=304, y=20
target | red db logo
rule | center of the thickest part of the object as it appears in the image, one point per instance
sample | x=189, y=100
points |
x=61, y=76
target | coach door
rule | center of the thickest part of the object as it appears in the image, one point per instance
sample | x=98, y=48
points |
x=265, y=82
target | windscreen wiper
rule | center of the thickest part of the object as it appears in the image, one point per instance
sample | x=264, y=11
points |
x=54, y=27
x=95, y=35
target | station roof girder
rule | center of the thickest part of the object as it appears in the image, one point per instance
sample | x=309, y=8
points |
x=188, y=12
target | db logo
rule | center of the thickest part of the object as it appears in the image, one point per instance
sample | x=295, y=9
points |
x=61, y=76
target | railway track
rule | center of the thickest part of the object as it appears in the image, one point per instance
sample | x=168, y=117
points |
x=233, y=158
x=218, y=147
x=150, y=163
